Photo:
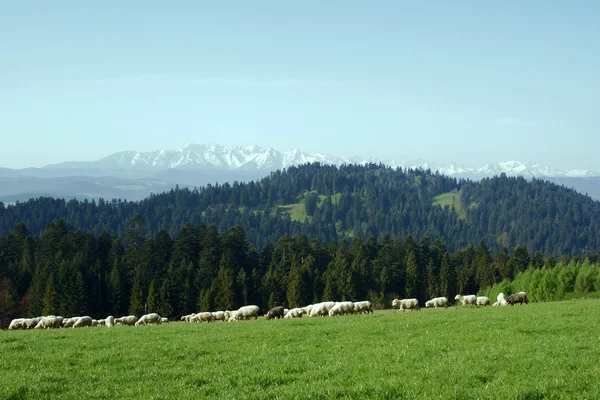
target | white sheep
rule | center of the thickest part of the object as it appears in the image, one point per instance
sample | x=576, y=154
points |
x=363, y=307
x=49, y=322
x=247, y=312
x=437, y=302
x=219, y=315
x=83, y=322
x=321, y=309
x=406, y=304
x=231, y=315
x=164, y=320
x=68, y=322
x=17, y=323
x=294, y=313
x=126, y=320
x=188, y=317
x=307, y=309
x=342, y=308
x=501, y=300
x=483, y=301
x=110, y=321
x=470, y=299
x=152, y=318
x=203, y=316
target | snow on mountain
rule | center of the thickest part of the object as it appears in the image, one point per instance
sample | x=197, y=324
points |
x=256, y=158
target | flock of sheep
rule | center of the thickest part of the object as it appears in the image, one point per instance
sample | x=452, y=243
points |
x=413, y=304
x=327, y=308
x=330, y=308
x=53, y=321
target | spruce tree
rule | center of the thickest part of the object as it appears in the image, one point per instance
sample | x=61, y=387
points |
x=136, y=301
x=165, y=308
x=117, y=293
x=411, y=276
x=50, y=296
x=152, y=300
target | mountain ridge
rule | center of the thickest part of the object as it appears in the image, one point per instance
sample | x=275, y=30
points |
x=257, y=158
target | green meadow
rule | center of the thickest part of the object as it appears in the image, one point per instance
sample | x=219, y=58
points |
x=534, y=351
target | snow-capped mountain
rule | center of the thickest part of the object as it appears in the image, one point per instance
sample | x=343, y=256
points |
x=255, y=158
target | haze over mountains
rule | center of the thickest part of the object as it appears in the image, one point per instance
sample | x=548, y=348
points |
x=134, y=175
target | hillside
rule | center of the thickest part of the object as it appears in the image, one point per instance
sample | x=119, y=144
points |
x=328, y=202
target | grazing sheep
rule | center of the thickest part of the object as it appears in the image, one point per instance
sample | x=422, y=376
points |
x=294, y=313
x=101, y=322
x=342, y=308
x=69, y=322
x=437, y=302
x=501, y=300
x=203, y=316
x=247, y=312
x=110, y=321
x=307, y=309
x=483, y=301
x=49, y=322
x=219, y=315
x=164, y=320
x=152, y=318
x=407, y=304
x=17, y=323
x=30, y=323
x=188, y=317
x=469, y=299
x=275, y=312
x=322, y=309
x=363, y=307
x=231, y=315
x=128, y=320
x=83, y=322
x=519, y=297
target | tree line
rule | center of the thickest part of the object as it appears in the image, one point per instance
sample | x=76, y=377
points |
x=68, y=272
x=336, y=203
x=568, y=279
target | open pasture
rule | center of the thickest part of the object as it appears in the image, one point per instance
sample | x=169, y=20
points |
x=535, y=351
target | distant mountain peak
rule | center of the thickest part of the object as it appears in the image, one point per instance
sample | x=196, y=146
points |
x=200, y=155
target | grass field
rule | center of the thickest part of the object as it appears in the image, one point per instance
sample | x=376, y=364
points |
x=450, y=199
x=535, y=351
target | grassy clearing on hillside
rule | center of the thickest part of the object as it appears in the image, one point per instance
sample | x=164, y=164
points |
x=450, y=199
x=541, y=350
x=297, y=212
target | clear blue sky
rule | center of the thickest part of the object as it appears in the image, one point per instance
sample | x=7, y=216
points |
x=465, y=81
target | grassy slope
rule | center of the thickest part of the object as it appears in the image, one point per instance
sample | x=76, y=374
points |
x=450, y=199
x=297, y=212
x=543, y=350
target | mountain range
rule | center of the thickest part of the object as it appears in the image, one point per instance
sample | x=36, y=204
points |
x=134, y=175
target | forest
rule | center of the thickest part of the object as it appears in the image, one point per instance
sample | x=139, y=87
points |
x=342, y=203
x=69, y=272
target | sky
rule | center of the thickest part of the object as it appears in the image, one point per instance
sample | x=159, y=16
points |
x=464, y=81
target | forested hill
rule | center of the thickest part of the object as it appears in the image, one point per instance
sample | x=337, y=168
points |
x=327, y=202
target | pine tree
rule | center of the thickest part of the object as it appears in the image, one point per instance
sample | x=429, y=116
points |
x=166, y=308
x=117, y=293
x=447, y=278
x=152, y=299
x=136, y=301
x=80, y=295
x=411, y=276
x=432, y=280
x=8, y=305
x=50, y=296
x=38, y=289
x=223, y=287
